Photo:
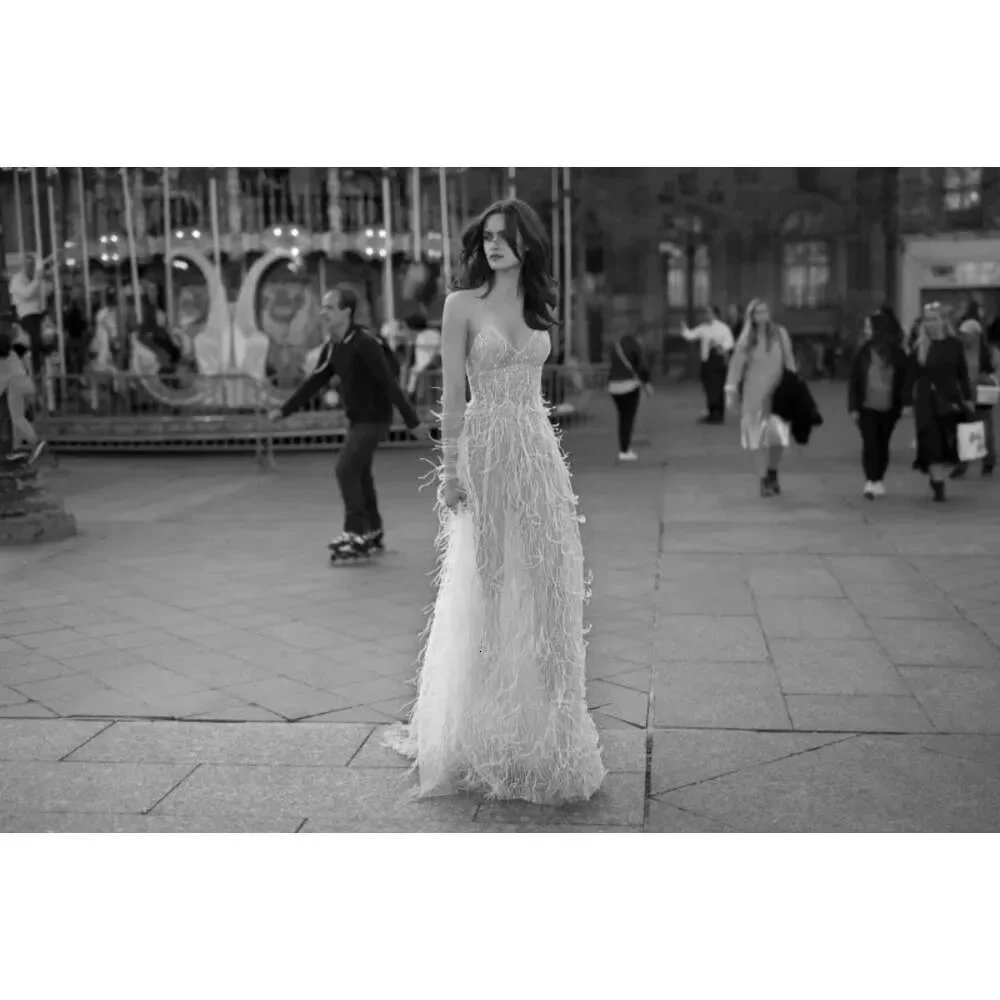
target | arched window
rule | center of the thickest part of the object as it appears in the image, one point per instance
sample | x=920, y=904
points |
x=677, y=279
x=807, y=261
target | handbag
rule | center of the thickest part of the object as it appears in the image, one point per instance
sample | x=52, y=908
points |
x=971, y=441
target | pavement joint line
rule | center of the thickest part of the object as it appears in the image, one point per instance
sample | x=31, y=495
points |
x=100, y=732
x=298, y=829
x=661, y=534
x=361, y=747
x=173, y=788
x=758, y=765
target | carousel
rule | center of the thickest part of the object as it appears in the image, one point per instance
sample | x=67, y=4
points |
x=203, y=305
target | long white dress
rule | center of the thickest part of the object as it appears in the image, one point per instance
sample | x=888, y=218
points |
x=501, y=707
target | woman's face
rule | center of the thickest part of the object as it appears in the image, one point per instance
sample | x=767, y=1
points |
x=499, y=253
x=933, y=324
x=761, y=314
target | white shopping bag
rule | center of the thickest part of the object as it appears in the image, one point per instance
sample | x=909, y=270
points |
x=971, y=441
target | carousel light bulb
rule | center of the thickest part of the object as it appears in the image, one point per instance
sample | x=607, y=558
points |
x=104, y=257
x=277, y=230
x=70, y=262
x=295, y=232
x=381, y=253
x=369, y=251
x=67, y=244
x=115, y=256
x=104, y=239
x=369, y=233
x=295, y=251
x=381, y=234
x=114, y=238
x=196, y=234
x=179, y=234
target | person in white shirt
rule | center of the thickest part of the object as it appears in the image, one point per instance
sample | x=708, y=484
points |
x=27, y=295
x=717, y=343
x=427, y=346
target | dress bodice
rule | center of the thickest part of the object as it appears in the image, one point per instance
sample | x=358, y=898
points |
x=501, y=373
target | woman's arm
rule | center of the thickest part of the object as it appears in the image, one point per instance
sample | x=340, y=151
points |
x=853, y=382
x=789, y=350
x=454, y=340
x=964, y=381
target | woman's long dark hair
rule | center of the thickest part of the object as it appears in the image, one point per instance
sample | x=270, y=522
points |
x=883, y=335
x=525, y=235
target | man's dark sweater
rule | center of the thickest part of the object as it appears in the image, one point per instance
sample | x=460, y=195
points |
x=367, y=388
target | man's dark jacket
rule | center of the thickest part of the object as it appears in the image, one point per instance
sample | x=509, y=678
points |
x=367, y=388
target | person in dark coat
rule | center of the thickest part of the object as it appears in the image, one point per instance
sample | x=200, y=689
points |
x=875, y=394
x=628, y=377
x=981, y=360
x=941, y=394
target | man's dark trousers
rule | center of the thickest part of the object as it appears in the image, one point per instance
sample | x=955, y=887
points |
x=354, y=474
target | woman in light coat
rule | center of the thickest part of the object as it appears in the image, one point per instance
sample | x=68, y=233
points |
x=762, y=354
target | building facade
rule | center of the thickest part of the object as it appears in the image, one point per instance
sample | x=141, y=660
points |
x=949, y=238
x=650, y=245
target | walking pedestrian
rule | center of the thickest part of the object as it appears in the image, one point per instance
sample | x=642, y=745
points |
x=369, y=393
x=875, y=393
x=716, y=344
x=27, y=295
x=982, y=360
x=628, y=378
x=762, y=354
x=942, y=397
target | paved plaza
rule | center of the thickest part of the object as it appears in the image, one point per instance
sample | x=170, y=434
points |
x=191, y=662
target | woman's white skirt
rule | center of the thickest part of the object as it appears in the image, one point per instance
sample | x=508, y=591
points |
x=764, y=431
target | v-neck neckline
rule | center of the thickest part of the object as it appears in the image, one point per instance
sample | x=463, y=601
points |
x=516, y=350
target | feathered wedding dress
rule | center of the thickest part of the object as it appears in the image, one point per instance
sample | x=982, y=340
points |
x=501, y=708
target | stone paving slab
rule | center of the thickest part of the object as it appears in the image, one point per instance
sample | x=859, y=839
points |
x=731, y=636
x=855, y=785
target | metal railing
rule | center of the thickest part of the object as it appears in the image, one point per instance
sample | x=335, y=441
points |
x=112, y=411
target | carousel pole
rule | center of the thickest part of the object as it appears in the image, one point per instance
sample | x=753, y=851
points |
x=416, y=225
x=84, y=249
x=556, y=248
x=213, y=201
x=36, y=211
x=568, y=261
x=512, y=182
x=57, y=285
x=390, y=303
x=168, y=246
x=19, y=211
x=445, y=228
x=133, y=263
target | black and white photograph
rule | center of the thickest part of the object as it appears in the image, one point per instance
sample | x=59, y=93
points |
x=418, y=506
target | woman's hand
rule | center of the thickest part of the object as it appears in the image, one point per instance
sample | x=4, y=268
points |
x=452, y=494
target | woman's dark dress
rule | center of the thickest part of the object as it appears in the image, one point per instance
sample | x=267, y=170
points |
x=941, y=390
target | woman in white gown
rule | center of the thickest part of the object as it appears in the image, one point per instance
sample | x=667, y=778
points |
x=501, y=707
